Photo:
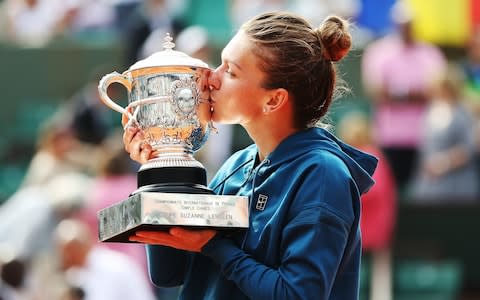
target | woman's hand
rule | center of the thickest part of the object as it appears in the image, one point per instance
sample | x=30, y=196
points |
x=134, y=142
x=176, y=237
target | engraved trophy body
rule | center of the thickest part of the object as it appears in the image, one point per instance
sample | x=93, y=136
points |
x=168, y=99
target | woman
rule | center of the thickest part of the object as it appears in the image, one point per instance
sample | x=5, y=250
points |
x=276, y=80
x=446, y=170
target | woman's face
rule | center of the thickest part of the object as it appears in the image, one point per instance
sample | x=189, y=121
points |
x=236, y=92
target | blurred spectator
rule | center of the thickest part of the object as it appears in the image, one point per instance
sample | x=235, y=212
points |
x=33, y=23
x=59, y=151
x=90, y=118
x=242, y=10
x=446, y=170
x=69, y=139
x=316, y=11
x=195, y=42
x=28, y=217
x=397, y=72
x=151, y=17
x=123, y=11
x=379, y=207
x=313, y=10
x=114, y=182
x=88, y=16
x=101, y=273
x=27, y=222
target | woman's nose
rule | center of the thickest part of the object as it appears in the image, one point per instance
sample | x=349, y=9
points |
x=214, y=80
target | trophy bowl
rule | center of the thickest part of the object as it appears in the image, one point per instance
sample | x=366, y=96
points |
x=168, y=99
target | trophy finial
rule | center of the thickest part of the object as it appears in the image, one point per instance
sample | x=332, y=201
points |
x=168, y=44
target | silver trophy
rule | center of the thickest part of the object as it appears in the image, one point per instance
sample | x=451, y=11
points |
x=168, y=98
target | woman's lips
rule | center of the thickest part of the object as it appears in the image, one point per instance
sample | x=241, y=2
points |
x=212, y=103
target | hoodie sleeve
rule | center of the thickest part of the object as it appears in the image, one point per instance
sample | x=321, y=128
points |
x=320, y=233
x=173, y=264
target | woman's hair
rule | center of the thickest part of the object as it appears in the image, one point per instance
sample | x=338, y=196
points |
x=299, y=58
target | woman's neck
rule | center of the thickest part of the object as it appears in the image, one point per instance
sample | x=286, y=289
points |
x=268, y=136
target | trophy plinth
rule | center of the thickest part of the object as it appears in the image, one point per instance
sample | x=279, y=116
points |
x=159, y=211
x=168, y=97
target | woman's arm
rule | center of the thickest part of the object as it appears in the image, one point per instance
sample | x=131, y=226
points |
x=313, y=247
x=311, y=258
x=166, y=266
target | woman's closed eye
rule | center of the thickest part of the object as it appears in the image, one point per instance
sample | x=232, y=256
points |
x=229, y=71
x=226, y=68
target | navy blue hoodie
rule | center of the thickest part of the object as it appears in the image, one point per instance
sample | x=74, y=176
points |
x=304, y=238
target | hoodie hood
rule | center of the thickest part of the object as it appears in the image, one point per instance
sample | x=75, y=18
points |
x=361, y=165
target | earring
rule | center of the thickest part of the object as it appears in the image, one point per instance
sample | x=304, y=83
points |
x=265, y=110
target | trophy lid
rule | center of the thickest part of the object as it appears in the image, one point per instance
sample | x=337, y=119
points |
x=168, y=57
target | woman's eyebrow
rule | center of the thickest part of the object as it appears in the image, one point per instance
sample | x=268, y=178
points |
x=225, y=60
x=235, y=64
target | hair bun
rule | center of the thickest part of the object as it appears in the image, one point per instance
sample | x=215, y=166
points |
x=335, y=38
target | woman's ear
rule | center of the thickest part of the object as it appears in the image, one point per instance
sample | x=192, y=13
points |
x=278, y=98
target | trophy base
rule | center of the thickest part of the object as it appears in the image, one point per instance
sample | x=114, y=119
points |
x=167, y=197
x=160, y=211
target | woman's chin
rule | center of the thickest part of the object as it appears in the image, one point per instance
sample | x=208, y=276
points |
x=216, y=118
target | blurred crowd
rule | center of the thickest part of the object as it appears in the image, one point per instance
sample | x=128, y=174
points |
x=422, y=121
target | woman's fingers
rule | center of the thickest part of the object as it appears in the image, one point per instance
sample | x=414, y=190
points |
x=126, y=116
x=134, y=142
x=176, y=237
x=128, y=135
x=192, y=235
x=135, y=147
x=145, y=153
x=134, y=139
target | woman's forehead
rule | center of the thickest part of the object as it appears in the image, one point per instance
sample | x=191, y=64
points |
x=238, y=48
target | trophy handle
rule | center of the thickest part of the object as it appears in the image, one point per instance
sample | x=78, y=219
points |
x=103, y=86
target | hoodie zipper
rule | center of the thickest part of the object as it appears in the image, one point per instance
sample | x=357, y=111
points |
x=253, y=173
